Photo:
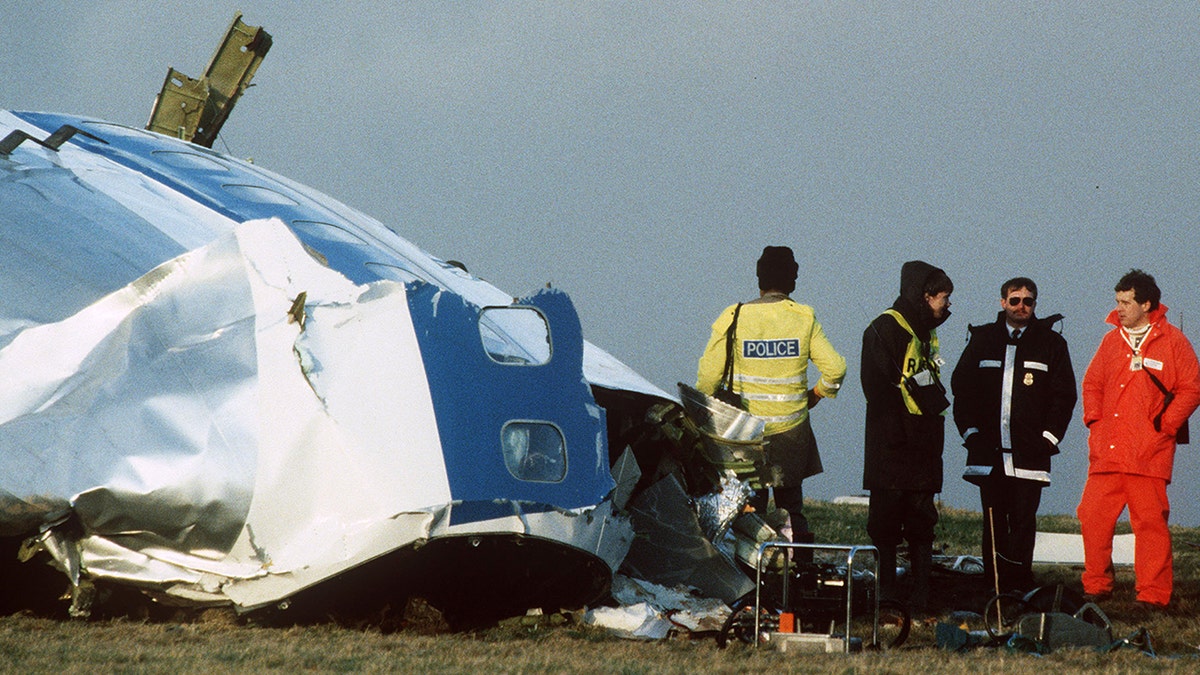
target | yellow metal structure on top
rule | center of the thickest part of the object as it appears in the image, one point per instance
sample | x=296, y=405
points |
x=195, y=109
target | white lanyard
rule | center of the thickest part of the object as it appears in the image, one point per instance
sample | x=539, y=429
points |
x=1135, y=363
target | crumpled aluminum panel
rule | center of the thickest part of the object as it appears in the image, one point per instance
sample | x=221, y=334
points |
x=202, y=402
x=197, y=452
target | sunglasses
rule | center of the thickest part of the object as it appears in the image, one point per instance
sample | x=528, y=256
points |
x=1014, y=301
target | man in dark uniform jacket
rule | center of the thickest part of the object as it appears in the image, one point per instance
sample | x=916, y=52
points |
x=1014, y=393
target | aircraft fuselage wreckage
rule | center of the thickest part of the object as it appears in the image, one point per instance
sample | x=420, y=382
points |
x=225, y=388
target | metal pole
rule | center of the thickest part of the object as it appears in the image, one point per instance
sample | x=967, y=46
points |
x=995, y=571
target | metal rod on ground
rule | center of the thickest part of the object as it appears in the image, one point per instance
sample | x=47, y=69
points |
x=995, y=570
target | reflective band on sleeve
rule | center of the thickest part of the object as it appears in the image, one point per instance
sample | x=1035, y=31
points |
x=1027, y=474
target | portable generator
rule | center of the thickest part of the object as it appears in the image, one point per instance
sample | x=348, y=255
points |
x=804, y=602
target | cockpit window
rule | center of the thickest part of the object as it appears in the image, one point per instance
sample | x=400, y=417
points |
x=534, y=451
x=515, y=335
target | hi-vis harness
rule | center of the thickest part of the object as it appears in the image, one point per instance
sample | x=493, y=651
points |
x=918, y=358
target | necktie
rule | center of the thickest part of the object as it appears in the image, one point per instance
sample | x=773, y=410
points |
x=1016, y=334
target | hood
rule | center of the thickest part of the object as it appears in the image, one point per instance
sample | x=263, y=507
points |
x=911, y=302
x=912, y=280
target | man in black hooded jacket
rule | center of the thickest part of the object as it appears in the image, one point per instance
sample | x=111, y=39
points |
x=1014, y=394
x=905, y=428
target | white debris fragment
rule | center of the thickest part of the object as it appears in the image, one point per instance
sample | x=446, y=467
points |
x=676, y=607
x=630, y=621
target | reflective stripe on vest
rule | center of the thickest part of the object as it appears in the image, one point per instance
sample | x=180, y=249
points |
x=754, y=396
x=781, y=419
x=758, y=379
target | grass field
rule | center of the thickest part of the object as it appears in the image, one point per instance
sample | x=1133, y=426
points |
x=216, y=641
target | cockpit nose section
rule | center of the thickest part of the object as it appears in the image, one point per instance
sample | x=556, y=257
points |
x=516, y=418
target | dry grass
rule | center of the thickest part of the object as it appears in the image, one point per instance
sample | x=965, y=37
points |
x=42, y=645
x=215, y=642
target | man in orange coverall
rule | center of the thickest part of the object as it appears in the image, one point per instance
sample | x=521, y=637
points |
x=1138, y=392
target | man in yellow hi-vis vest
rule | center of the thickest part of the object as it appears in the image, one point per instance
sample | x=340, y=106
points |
x=774, y=340
x=905, y=429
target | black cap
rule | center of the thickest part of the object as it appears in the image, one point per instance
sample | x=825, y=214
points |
x=777, y=269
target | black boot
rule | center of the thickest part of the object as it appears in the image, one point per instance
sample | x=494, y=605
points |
x=804, y=556
x=922, y=567
x=887, y=572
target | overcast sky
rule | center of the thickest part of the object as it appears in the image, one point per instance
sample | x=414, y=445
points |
x=639, y=155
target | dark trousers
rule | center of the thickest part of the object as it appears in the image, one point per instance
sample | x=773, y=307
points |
x=903, y=515
x=1010, y=508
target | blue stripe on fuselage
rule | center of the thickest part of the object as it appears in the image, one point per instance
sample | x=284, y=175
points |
x=208, y=184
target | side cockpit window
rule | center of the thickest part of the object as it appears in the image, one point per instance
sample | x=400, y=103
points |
x=515, y=335
x=534, y=451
